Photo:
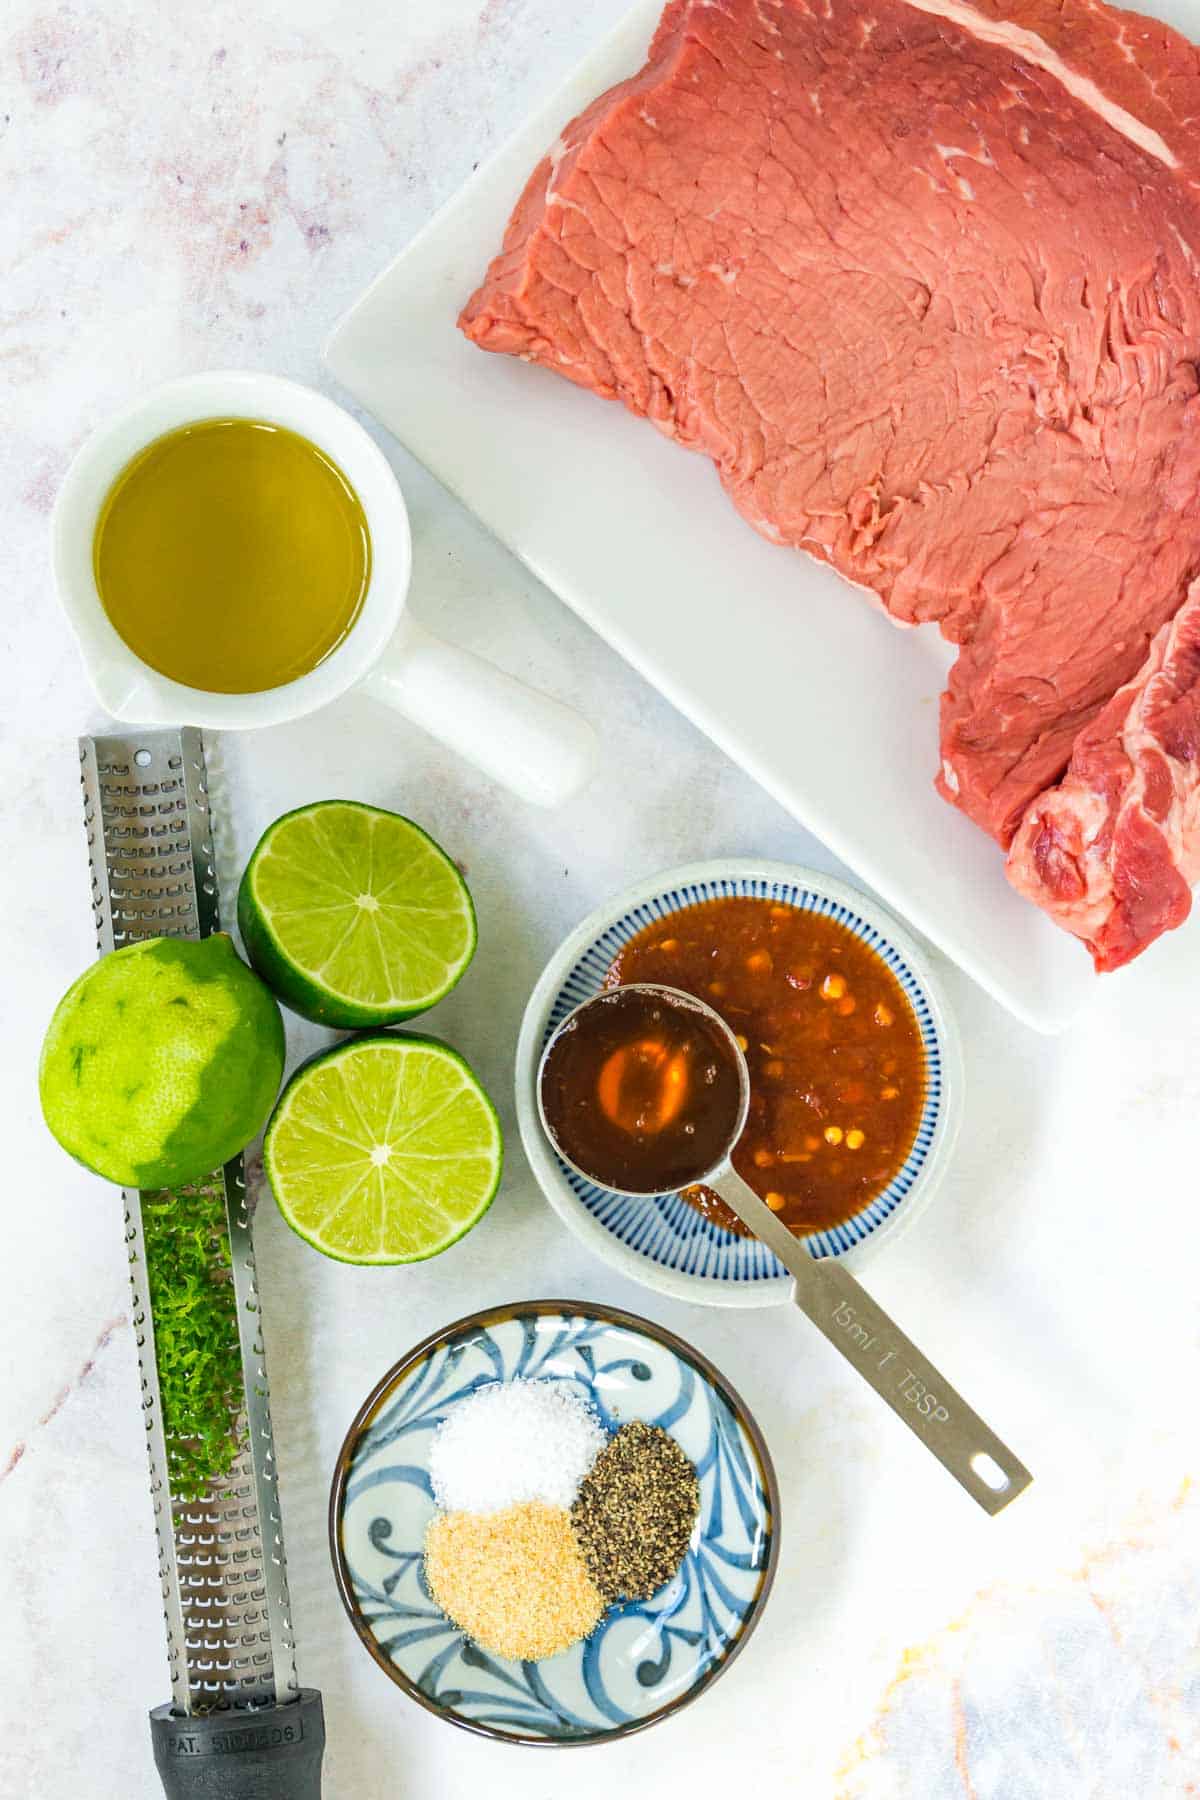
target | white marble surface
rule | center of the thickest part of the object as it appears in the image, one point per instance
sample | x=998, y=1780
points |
x=183, y=188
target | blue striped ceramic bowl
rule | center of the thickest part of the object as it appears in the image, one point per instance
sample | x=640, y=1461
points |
x=646, y=1658
x=665, y=1243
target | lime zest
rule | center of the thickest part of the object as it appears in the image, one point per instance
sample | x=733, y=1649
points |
x=196, y=1347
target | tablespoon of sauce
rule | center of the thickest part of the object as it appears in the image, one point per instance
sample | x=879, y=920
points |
x=644, y=1090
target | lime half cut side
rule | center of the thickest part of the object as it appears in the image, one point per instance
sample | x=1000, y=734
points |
x=354, y=916
x=385, y=1149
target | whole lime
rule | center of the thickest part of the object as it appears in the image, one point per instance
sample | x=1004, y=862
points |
x=162, y=1062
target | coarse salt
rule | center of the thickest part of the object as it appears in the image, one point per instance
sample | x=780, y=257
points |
x=513, y=1441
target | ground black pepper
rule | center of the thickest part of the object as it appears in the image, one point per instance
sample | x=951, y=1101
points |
x=635, y=1512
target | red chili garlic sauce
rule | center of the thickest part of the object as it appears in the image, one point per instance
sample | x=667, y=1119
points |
x=641, y=1092
x=837, y=1064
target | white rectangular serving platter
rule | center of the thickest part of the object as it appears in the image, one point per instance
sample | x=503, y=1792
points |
x=797, y=676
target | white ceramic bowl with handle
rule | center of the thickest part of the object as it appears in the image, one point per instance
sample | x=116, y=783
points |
x=665, y=1243
x=530, y=743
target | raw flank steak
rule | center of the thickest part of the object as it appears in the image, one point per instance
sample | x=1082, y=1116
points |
x=923, y=279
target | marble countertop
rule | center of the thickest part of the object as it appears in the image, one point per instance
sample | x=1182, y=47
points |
x=185, y=188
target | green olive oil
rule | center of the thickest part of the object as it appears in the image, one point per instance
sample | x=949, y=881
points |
x=232, y=555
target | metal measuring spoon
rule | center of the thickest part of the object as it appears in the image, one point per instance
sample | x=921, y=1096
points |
x=847, y=1315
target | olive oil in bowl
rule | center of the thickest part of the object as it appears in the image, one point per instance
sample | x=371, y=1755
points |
x=232, y=555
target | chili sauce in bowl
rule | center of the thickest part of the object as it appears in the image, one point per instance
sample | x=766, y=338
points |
x=667, y=1242
x=835, y=1055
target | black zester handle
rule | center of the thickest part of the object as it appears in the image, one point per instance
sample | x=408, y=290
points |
x=273, y=1753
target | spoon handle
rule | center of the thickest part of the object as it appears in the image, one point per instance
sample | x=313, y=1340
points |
x=858, y=1327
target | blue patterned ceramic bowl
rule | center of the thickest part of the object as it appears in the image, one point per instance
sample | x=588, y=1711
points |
x=645, y=1659
x=664, y=1243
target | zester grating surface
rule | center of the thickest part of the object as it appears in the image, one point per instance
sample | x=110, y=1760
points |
x=221, y=1560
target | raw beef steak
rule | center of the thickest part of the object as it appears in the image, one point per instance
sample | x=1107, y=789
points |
x=1111, y=853
x=923, y=279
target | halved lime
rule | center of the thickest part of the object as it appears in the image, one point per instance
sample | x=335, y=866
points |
x=354, y=916
x=384, y=1149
